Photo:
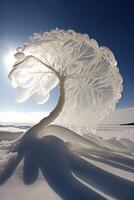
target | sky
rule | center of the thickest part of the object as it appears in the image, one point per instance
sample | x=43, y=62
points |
x=111, y=23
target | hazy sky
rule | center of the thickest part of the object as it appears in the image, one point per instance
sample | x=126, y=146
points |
x=111, y=24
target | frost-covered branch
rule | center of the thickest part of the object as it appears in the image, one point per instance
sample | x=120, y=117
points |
x=16, y=66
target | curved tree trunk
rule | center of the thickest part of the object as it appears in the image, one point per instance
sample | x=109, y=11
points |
x=40, y=127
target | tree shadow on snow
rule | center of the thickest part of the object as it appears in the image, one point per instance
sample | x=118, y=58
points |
x=57, y=164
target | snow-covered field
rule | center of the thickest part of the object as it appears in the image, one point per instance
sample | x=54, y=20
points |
x=16, y=190
x=111, y=150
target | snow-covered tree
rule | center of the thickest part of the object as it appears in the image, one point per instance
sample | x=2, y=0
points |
x=89, y=81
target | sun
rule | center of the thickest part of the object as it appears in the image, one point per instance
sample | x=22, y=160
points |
x=9, y=60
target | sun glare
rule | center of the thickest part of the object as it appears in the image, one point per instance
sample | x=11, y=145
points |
x=9, y=60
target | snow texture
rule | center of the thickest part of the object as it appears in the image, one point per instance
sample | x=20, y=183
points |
x=110, y=171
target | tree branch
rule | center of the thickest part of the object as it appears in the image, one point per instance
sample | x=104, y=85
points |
x=30, y=56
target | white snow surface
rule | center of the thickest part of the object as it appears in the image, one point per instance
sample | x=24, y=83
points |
x=119, y=139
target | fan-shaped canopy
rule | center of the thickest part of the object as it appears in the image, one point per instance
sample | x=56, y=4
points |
x=94, y=86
